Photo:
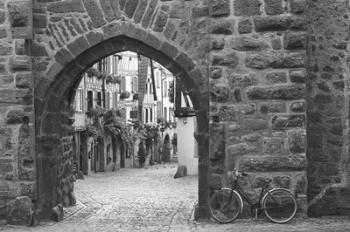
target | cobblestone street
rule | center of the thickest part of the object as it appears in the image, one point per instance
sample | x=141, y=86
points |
x=151, y=200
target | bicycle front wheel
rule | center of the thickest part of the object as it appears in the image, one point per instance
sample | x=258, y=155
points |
x=225, y=205
x=279, y=205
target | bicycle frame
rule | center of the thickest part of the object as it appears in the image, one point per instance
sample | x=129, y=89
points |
x=245, y=197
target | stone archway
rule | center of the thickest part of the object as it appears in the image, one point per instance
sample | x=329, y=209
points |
x=53, y=123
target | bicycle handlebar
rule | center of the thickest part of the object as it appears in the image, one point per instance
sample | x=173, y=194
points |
x=239, y=173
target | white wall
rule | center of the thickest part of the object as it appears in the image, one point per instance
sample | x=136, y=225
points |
x=187, y=145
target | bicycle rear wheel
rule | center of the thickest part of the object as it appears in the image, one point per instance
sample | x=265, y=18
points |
x=279, y=205
x=225, y=205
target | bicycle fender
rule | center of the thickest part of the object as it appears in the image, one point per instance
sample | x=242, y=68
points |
x=239, y=196
x=273, y=189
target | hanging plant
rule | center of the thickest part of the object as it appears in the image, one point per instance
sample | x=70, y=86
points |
x=102, y=76
x=125, y=95
x=92, y=72
x=135, y=97
x=109, y=79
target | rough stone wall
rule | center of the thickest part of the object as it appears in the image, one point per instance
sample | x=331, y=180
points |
x=17, y=174
x=328, y=108
x=65, y=176
x=257, y=86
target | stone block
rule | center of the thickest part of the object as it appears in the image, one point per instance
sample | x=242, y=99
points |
x=290, y=60
x=219, y=92
x=160, y=22
x=227, y=113
x=273, y=7
x=38, y=49
x=261, y=61
x=242, y=80
x=94, y=12
x=130, y=7
x=245, y=26
x=20, y=64
x=278, y=23
x=228, y=59
x=254, y=137
x=219, y=8
x=27, y=189
x=298, y=107
x=217, y=43
x=20, y=47
x=272, y=107
x=5, y=49
x=66, y=7
x=5, y=141
x=290, y=92
x=215, y=72
x=6, y=81
x=254, y=124
x=276, y=78
x=23, y=80
x=222, y=26
x=288, y=121
x=20, y=211
x=297, y=6
x=149, y=13
x=294, y=40
x=14, y=96
x=246, y=7
x=78, y=46
x=297, y=141
x=198, y=12
x=20, y=13
x=15, y=116
x=246, y=43
x=273, y=146
x=276, y=43
x=297, y=76
x=282, y=181
x=272, y=163
x=5, y=166
x=240, y=149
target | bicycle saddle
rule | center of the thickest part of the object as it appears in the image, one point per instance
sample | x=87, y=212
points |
x=266, y=180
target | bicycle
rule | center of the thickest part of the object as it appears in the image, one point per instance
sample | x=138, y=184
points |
x=278, y=204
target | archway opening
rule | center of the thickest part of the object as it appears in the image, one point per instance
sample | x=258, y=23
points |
x=54, y=120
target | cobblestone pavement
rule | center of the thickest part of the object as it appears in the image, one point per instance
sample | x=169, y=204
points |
x=151, y=200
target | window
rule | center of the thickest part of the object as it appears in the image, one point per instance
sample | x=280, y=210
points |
x=169, y=114
x=134, y=85
x=99, y=98
x=150, y=88
x=108, y=100
x=150, y=115
x=165, y=90
x=79, y=100
x=89, y=100
x=115, y=101
x=158, y=80
x=146, y=115
x=165, y=113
